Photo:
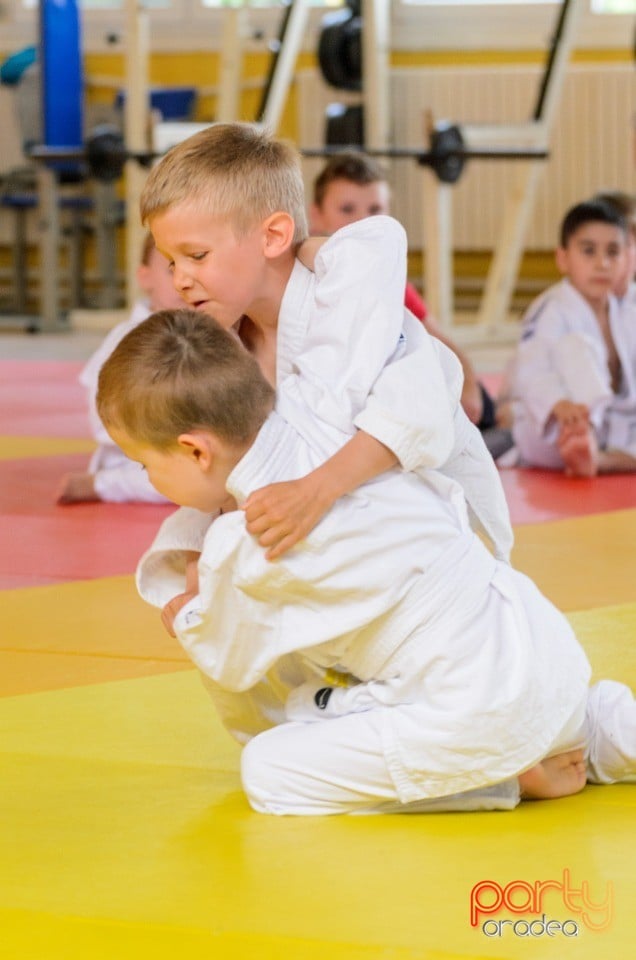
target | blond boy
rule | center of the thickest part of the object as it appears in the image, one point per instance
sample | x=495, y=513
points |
x=226, y=208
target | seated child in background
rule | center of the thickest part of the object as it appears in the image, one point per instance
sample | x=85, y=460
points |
x=351, y=186
x=111, y=476
x=387, y=664
x=625, y=287
x=226, y=207
x=574, y=372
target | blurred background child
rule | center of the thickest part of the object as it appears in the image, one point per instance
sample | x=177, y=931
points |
x=625, y=204
x=574, y=373
x=353, y=185
x=111, y=476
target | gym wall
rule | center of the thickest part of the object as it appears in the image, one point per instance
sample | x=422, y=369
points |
x=105, y=70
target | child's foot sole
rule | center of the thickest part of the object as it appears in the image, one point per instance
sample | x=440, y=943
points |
x=580, y=454
x=559, y=776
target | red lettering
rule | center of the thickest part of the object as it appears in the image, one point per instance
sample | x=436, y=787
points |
x=479, y=905
x=529, y=906
x=541, y=886
x=488, y=897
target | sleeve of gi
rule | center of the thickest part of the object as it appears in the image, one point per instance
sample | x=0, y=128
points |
x=365, y=360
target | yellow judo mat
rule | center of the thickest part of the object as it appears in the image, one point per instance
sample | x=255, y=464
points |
x=125, y=832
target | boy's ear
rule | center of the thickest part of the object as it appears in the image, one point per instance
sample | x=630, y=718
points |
x=561, y=258
x=278, y=234
x=199, y=446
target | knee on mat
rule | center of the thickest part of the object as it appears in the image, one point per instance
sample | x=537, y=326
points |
x=259, y=777
x=611, y=717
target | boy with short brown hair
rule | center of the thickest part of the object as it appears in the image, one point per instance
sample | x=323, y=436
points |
x=352, y=186
x=449, y=683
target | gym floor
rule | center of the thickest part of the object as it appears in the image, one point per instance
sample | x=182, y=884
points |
x=125, y=831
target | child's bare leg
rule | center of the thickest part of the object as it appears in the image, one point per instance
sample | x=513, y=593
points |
x=77, y=488
x=616, y=461
x=558, y=776
x=579, y=450
x=504, y=414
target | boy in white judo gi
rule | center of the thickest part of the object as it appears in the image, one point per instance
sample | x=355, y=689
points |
x=111, y=476
x=388, y=662
x=227, y=208
x=574, y=372
x=625, y=286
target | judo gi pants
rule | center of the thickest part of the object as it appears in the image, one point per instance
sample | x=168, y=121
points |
x=337, y=764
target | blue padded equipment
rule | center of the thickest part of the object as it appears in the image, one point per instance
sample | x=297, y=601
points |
x=62, y=76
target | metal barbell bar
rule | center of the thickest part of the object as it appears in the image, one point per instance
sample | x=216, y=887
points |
x=104, y=155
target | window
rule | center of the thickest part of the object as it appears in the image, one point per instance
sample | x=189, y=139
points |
x=255, y=4
x=106, y=4
x=596, y=6
x=614, y=6
x=479, y=3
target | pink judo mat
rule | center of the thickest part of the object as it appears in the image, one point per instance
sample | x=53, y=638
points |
x=47, y=543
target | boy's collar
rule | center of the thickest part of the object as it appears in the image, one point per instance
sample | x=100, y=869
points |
x=612, y=299
x=270, y=458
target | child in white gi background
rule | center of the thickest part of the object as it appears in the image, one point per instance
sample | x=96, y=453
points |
x=387, y=663
x=574, y=373
x=625, y=286
x=227, y=209
x=111, y=476
x=352, y=186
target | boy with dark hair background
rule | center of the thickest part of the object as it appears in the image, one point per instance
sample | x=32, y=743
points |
x=574, y=374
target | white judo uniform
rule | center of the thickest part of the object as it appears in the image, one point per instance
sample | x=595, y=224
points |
x=352, y=308
x=369, y=364
x=628, y=302
x=562, y=355
x=389, y=662
x=116, y=478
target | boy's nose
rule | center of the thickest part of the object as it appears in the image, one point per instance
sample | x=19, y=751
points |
x=180, y=279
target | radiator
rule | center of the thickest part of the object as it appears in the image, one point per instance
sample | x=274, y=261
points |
x=593, y=142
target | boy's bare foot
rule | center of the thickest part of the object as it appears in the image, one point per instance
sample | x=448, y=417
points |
x=579, y=450
x=558, y=776
x=77, y=488
x=504, y=414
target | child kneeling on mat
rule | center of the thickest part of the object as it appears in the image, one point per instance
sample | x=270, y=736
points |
x=388, y=662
